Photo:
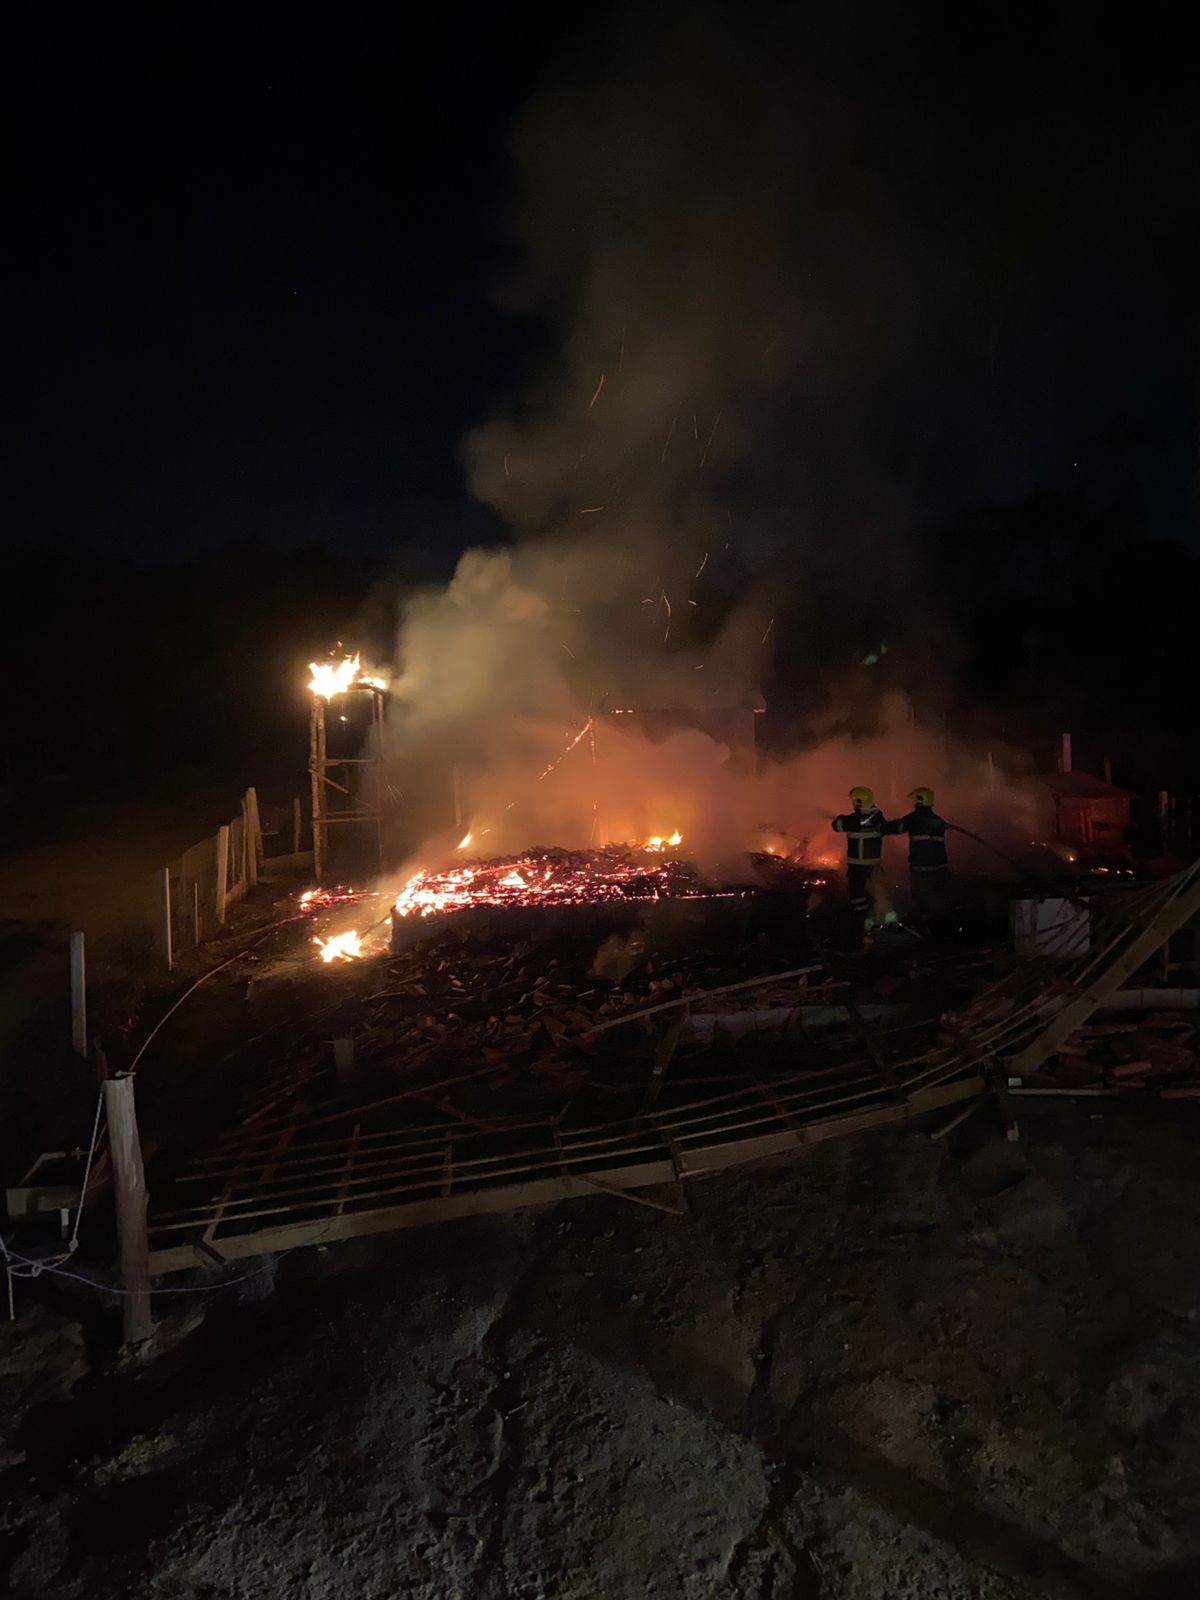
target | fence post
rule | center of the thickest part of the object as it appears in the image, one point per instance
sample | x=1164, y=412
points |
x=164, y=917
x=78, y=996
x=222, y=871
x=295, y=827
x=130, y=1182
x=254, y=853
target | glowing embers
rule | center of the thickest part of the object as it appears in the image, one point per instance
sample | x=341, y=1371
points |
x=551, y=878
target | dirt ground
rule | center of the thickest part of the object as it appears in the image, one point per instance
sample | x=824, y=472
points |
x=955, y=1370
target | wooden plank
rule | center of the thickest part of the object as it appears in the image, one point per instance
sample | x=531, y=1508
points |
x=221, y=896
x=547, y=1190
x=254, y=844
x=1171, y=914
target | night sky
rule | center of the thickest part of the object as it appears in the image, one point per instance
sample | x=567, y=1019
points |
x=259, y=264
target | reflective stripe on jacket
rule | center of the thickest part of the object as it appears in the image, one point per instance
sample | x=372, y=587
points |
x=926, y=839
x=864, y=836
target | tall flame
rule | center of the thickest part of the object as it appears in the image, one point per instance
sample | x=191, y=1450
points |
x=334, y=677
x=657, y=843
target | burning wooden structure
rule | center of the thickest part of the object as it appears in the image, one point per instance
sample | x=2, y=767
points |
x=345, y=788
x=1089, y=813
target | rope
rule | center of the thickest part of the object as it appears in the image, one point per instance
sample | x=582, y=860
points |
x=87, y=1172
x=35, y=1269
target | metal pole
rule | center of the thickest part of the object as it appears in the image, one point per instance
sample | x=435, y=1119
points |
x=130, y=1182
x=164, y=917
x=78, y=996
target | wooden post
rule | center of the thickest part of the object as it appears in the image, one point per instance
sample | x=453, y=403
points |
x=255, y=850
x=130, y=1182
x=1064, y=758
x=1164, y=820
x=196, y=912
x=991, y=773
x=316, y=767
x=1107, y=769
x=79, y=1042
x=244, y=851
x=222, y=872
x=343, y=1059
x=296, y=827
x=458, y=811
x=164, y=917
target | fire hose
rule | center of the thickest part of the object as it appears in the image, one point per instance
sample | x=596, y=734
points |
x=1021, y=868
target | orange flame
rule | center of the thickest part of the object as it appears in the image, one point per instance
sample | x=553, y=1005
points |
x=342, y=947
x=656, y=843
x=335, y=677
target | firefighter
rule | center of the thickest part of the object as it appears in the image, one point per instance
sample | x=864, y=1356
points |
x=928, y=865
x=864, y=828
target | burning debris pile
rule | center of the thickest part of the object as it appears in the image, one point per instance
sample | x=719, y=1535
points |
x=556, y=877
x=1158, y=1052
x=478, y=1006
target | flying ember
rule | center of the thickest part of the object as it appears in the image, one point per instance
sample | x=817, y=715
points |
x=342, y=947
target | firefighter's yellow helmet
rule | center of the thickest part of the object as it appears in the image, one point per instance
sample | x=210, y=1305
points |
x=921, y=796
x=860, y=795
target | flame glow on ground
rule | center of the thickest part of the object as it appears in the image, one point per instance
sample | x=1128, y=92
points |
x=548, y=878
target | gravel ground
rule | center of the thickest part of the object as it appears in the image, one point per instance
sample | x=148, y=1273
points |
x=958, y=1370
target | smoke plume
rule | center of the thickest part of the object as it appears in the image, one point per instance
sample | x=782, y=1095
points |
x=697, y=502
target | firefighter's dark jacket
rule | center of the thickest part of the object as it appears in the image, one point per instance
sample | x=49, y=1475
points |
x=926, y=838
x=864, y=832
